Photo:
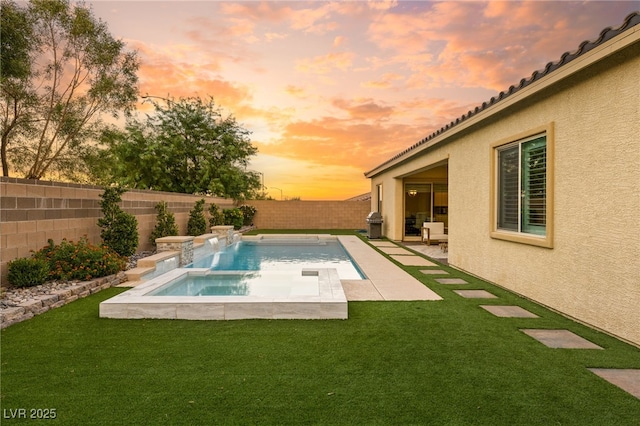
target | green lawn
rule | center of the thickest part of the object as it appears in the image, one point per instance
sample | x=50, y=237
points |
x=445, y=363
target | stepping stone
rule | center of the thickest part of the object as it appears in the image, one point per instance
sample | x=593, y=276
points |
x=561, y=339
x=475, y=294
x=509, y=311
x=434, y=272
x=394, y=250
x=626, y=379
x=412, y=260
x=451, y=281
x=382, y=243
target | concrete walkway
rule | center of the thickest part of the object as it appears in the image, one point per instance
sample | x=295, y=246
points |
x=385, y=280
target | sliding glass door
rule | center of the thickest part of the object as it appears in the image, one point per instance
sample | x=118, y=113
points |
x=424, y=202
x=417, y=207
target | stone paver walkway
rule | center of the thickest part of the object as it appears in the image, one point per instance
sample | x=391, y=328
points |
x=509, y=311
x=451, y=281
x=434, y=272
x=626, y=379
x=475, y=294
x=560, y=339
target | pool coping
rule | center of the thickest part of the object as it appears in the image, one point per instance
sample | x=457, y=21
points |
x=385, y=280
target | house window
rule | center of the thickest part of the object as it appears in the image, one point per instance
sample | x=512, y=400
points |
x=522, y=203
x=379, y=187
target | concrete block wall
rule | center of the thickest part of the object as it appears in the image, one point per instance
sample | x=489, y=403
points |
x=273, y=214
x=33, y=211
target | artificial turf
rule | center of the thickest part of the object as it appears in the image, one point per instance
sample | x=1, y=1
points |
x=443, y=362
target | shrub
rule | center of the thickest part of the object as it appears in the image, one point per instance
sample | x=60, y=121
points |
x=248, y=212
x=215, y=216
x=119, y=228
x=233, y=217
x=165, y=223
x=27, y=272
x=197, y=224
x=80, y=261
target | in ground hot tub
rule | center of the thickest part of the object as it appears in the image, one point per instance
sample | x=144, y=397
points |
x=200, y=294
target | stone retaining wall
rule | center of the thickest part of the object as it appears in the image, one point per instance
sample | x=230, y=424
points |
x=57, y=298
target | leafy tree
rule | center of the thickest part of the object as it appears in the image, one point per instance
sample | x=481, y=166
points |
x=216, y=217
x=16, y=36
x=119, y=228
x=197, y=224
x=185, y=146
x=165, y=223
x=248, y=212
x=233, y=217
x=65, y=71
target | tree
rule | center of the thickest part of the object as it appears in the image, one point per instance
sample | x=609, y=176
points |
x=16, y=35
x=119, y=229
x=185, y=146
x=70, y=71
x=165, y=223
x=197, y=224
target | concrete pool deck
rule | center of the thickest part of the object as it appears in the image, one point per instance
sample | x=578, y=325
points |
x=385, y=280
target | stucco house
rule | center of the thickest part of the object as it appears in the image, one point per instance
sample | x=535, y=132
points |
x=539, y=188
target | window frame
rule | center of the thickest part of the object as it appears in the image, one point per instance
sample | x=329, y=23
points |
x=518, y=235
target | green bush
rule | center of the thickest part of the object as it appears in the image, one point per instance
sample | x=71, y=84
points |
x=215, y=216
x=27, y=272
x=80, y=260
x=197, y=224
x=119, y=228
x=165, y=223
x=233, y=217
x=248, y=212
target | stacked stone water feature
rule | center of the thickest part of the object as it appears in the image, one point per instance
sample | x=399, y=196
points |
x=179, y=251
x=173, y=252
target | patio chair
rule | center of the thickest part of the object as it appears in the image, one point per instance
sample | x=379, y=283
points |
x=433, y=231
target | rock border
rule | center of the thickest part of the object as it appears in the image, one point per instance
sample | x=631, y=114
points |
x=57, y=298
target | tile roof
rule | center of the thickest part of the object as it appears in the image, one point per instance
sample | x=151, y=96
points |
x=608, y=33
x=361, y=197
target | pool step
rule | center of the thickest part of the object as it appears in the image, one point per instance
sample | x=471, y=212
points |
x=150, y=261
x=136, y=274
x=147, y=265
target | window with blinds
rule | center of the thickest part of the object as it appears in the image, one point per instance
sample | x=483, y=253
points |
x=522, y=186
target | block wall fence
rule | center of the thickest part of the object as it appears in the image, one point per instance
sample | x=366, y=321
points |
x=273, y=214
x=34, y=211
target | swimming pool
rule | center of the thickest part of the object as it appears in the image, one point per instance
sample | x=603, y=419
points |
x=262, y=277
x=282, y=254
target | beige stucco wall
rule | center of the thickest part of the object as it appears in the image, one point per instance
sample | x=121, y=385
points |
x=592, y=273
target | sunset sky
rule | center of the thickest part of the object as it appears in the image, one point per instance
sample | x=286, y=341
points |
x=330, y=90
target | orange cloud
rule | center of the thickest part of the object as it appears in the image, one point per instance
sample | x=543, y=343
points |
x=384, y=82
x=331, y=141
x=474, y=44
x=296, y=91
x=364, y=110
x=326, y=63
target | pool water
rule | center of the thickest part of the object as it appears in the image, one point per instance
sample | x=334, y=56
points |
x=282, y=255
x=259, y=283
